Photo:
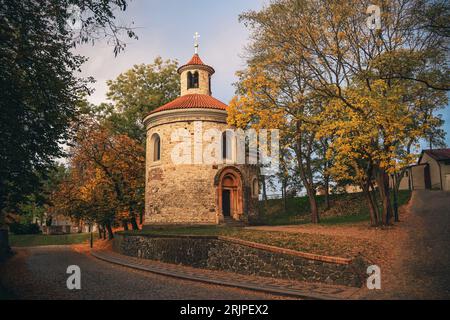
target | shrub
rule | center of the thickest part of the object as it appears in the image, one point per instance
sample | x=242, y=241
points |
x=24, y=228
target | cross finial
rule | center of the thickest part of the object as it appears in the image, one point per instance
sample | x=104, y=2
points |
x=196, y=36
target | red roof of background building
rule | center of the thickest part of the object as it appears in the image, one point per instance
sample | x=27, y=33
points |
x=192, y=101
x=437, y=154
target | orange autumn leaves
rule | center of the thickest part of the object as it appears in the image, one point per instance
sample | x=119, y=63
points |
x=106, y=181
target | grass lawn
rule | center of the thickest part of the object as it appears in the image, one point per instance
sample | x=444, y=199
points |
x=313, y=243
x=31, y=240
x=345, y=209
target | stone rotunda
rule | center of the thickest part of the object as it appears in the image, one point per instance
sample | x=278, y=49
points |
x=195, y=192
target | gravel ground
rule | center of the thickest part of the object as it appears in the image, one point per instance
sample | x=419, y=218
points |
x=40, y=273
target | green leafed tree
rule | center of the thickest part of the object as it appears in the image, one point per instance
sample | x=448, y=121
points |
x=138, y=91
x=38, y=83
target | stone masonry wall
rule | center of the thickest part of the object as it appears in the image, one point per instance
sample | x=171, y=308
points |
x=217, y=254
x=185, y=193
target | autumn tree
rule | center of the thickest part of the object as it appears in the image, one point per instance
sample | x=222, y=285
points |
x=39, y=84
x=85, y=195
x=362, y=77
x=119, y=161
x=271, y=94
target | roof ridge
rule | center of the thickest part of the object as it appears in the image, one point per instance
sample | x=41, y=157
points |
x=195, y=60
x=193, y=100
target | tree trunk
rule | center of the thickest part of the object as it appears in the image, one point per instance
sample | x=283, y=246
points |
x=134, y=224
x=310, y=191
x=312, y=204
x=395, y=203
x=2, y=215
x=383, y=186
x=305, y=169
x=397, y=180
x=133, y=221
x=5, y=249
x=373, y=210
x=110, y=231
x=373, y=192
x=103, y=231
x=125, y=225
x=314, y=210
x=395, y=193
x=283, y=190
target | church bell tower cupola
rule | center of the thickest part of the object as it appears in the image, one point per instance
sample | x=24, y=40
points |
x=195, y=75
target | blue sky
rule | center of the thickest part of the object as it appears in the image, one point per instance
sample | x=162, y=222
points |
x=166, y=28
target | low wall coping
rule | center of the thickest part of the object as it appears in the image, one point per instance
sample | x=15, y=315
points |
x=306, y=255
x=265, y=247
x=183, y=236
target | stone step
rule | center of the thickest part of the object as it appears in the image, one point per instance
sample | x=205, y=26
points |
x=233, y=223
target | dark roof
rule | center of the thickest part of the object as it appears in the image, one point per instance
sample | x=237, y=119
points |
x=193, y=101
x=437, y=154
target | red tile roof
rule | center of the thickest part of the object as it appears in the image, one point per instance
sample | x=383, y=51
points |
x=196, y=61
x=437, y=154
x=193, y=101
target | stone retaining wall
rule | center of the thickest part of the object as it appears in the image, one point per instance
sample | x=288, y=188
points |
x=216, y=253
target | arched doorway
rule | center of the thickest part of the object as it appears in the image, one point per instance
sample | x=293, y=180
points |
x=229, y=193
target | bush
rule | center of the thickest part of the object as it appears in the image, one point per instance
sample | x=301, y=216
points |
x=24, y=228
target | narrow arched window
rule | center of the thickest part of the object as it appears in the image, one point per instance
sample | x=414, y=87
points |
x=224, y=145
x=228, y=144
x=189, y=80
x=156, y=146
x=193, y=80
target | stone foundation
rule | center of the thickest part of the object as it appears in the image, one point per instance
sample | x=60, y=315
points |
x=216, y=253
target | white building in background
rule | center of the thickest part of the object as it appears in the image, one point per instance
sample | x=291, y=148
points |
x=432, y=171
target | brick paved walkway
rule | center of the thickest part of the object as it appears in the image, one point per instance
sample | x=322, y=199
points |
x=278, y=286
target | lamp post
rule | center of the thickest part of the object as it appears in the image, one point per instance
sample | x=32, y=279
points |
x=91, y=235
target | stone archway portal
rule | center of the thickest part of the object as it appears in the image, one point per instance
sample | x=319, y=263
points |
x=230, y=194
